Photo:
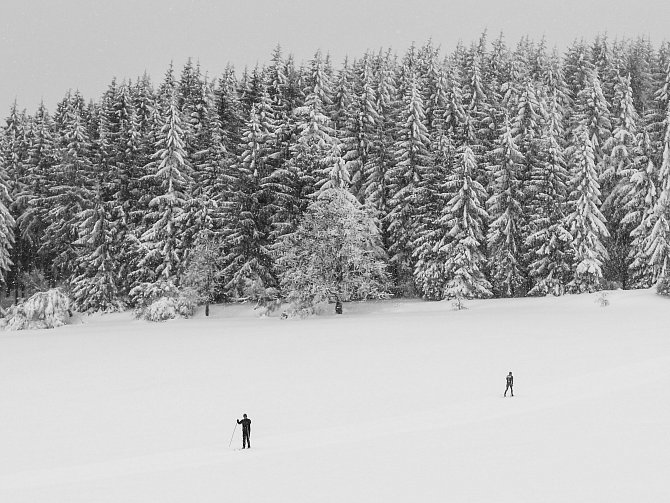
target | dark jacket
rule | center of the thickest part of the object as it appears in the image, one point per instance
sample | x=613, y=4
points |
x=246, y=425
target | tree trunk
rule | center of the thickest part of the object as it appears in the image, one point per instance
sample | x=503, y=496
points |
x=207, y=308
x=338, y=307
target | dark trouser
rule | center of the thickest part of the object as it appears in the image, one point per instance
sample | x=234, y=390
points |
x=245, y=439
x=509, y=387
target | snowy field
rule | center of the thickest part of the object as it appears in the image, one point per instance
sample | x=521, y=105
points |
x=394, y=401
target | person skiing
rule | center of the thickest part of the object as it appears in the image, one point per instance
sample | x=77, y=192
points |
x=510, y=384
x=246, y=430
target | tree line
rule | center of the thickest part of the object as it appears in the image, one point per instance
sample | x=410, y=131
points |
x=490, y=170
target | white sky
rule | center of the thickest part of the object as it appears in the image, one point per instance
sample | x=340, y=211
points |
x=50, y=46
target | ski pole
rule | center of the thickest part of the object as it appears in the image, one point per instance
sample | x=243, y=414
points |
x=231, y=437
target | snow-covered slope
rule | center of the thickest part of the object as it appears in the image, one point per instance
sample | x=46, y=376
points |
x=393, y=401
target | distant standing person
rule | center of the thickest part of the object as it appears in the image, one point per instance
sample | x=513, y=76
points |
x=510, y=384
x=246, y=430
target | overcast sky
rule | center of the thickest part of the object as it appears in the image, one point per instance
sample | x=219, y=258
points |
x=50, y=46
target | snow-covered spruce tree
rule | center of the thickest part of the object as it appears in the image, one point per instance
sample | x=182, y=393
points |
x=432, y=189
x=454, y=114
x=578, y=68
x=528, y=122
x=548, y=241
x=466, y=216
x=14, y=146
x=585, y=222
x=161, y=243
x=118, y=170
x=639, y=213
x=504, y=208
x=10, y=155
x=615, y=181
x=40, y=161
x=658, y=249
x=211, y=164
x=334, y=255
x=229, y=110
x=295, y=182
x=360, y=127
x=435, y=88
x=591, y=111
x=555, y=85
x=430, y=259
x=6, y=228
x=481, y=131
x=343, y=97
x=69, y=187
x=95, y=283
x=375, y=185
x=656, y=116
x=607, y=59
x=247, y=258
x=405, y=178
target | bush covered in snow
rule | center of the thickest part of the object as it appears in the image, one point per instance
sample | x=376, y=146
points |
x=43, y=310
x=162, y=301
x=602, y=299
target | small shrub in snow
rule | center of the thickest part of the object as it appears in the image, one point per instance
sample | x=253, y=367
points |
x=43, y=310
x=457, y=304
x=602, y=299
x=164, y=301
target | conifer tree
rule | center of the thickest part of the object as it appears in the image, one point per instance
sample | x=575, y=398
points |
x=376, y=188
x=585, y=222
x=639, y=213
x=7, y=224
x=578, y=69
x=296, y=181
x=359, y=130
x=616, y=180
x=69, y=186
x=95, y=282
x=170, y=172
x=40, y=162
x=506, y=214
x=454, y=118
x=465, y=215
x=592, y=112
x=405, y=184
x=431, y=228
x=229, y=110
x=548, y=242
x=13, y=171
x=658, y=249
x=247, y=262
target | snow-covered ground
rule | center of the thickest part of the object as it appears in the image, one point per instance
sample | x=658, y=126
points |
x=393, y=401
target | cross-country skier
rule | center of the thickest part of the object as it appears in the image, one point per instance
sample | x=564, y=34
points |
x=510, y=384
x=246, y=430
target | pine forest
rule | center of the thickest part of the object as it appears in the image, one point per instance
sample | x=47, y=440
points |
x=493, y=170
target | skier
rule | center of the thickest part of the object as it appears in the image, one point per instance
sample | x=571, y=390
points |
x=510, y=384
x=246, y=431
